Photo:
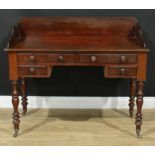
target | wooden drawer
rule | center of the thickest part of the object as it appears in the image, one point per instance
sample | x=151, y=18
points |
x=120, y=72
x=33, y=71
x=28, y=58
x=108, y=58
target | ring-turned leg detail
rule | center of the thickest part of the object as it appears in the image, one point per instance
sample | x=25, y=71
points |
x=15, y=102
x=139, y=103
x=132, y=96
x=24, y=95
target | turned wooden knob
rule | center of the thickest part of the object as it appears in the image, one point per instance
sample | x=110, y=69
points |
x=93, y=58
x=32, y=70
x=61, y=58
x=123, y=58
x=122, y=71
x=32, y=57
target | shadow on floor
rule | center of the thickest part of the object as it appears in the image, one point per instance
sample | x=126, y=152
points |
x=78, y=115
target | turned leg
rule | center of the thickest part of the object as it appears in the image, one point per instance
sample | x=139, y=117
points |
x=24, y=95
x=15, y=102
x=132, y=96
x=139, y=103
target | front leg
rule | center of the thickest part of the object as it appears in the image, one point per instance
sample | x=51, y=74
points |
x=15, y=103
x=132, y=96
x=24, y=95
x=139, y=103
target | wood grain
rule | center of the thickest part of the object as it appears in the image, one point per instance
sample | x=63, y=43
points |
x=120, y=72
x=142, y=67
x=78, y=34
x=77, y=128
x=40, y=43
x=13, y=69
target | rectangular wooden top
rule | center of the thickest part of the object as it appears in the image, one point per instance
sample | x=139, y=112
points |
x=77, y=34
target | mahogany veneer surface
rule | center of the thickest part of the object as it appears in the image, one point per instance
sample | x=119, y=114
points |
x=78, y=34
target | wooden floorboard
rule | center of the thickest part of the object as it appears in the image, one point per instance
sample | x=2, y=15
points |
x=41, y=127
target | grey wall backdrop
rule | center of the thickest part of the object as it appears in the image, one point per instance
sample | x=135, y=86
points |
x=75, y=81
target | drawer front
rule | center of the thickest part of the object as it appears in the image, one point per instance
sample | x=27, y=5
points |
x=33, y=71
x=108, y=58
x=45, y=58
x=120, y=72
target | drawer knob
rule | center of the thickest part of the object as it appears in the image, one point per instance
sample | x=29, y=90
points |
x=122, y=71
x=32, y=70
x=61, y=58
x=123, y=58
x=93, y=58
x=31, y=57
